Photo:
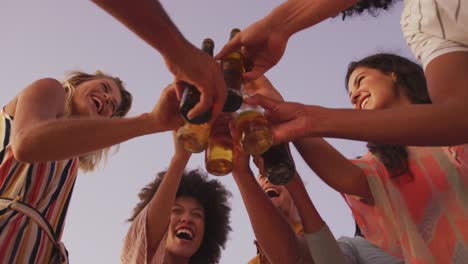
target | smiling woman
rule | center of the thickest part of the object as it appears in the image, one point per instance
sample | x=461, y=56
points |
x=47, y=132
x=182, y=218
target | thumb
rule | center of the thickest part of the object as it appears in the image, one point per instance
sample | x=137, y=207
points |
x=265, y=102
x=233, y=44
x=287, y=131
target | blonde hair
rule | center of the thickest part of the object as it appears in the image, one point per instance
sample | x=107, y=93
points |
x=90, y=161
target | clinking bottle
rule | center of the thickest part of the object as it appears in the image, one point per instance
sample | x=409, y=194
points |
x=191, y=96
x=255, y=133
x=194, y=134
x=278, y=164
x=233, y=67
x=219, y=155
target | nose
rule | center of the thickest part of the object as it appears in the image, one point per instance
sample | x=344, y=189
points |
x=185, y=218
x=354, y=98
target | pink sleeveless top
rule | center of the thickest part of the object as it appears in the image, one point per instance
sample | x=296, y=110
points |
x=422, y=216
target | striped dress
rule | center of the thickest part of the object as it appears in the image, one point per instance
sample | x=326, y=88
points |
x=46, y=187
x=421, y=216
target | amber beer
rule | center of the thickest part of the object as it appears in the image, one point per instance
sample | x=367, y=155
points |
x=194, y=134
x=233, y=67
x=191, y=96
x=219, y=154
x=254, y=130
x=278, y=164
x=194, y=138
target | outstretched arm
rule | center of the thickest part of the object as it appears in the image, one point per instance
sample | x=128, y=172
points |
x=149, y=21
x=322, y=245
x=273, y=233
x=159, y=208
x=39, y=125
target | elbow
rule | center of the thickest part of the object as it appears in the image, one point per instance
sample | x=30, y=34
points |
x=22, y=151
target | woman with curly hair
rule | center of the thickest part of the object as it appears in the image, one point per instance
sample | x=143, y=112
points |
x=435, y=30
x=182, y=218
x=48, y=131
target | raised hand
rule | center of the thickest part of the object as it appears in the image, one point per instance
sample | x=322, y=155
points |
x=199, y=69
x=166, y=111
x=260, y=44
x=290, y=120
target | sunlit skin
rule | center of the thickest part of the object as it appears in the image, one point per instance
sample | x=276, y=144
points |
x=187, y=216
x=98, y=97
x=372, y=89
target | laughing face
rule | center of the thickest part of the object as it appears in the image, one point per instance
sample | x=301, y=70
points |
x=186, y=227
x=280, y=197
x=371, y=89
x=98, y=97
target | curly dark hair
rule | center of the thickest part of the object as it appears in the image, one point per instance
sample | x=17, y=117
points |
x=411, y=80
x=372, y=6
x=213, y=196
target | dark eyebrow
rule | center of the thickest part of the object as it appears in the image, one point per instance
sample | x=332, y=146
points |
x=356, y=81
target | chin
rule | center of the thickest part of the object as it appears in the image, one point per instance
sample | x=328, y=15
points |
x=184, y=252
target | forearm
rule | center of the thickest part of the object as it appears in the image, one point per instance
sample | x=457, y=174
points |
x=295, y=15
x=272, y=231
x=332, y=167
x=311, y=219
x=160, y=206
x=65, y=138
x=416, y=125
x=149, y=20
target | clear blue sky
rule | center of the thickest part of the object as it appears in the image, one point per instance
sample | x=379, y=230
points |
x=50, y=37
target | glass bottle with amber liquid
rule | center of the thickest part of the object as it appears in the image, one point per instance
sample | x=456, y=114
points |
x=191, y=95
x=278, y=164
x=255, y=132
x=233, y=67
x=219, y=155
x=194, y=134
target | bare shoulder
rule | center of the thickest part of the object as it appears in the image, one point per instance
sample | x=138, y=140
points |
x=47, y=91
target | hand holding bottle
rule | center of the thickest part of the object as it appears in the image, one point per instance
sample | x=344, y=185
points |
x=197, y=68
x=162, y=116
x=262, y=45
x=289, y=120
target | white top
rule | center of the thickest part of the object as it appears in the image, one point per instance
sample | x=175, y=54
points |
x=435, y=27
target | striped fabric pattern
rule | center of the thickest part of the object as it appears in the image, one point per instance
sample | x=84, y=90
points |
x=435, y=27
x=423, y=215
x=46, y=186
x=134, y=250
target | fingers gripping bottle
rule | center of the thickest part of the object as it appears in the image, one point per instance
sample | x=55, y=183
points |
x=255, y=132
x=191, y=96
x=194, y=134
x=233, y=67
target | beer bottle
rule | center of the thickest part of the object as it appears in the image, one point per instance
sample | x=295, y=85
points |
x=255, y=132
x=191, y=96
x=219, y=153
x=194, y=134
x=278, y=164
x=233, y=67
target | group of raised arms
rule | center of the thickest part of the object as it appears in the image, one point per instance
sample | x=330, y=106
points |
x=408, y=194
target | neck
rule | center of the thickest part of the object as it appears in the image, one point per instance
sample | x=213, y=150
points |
x=170, y=258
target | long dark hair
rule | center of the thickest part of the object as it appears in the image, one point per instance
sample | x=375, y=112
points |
x=213, y=196
x=371, y=6
x=411, y=81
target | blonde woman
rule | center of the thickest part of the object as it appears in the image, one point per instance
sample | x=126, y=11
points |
x=48, y=131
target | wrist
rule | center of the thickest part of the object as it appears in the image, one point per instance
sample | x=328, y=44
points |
x=149, y=124
x=181, y=50
x=318, y=121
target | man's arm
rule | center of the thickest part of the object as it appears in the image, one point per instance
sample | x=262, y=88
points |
x=149, y=20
